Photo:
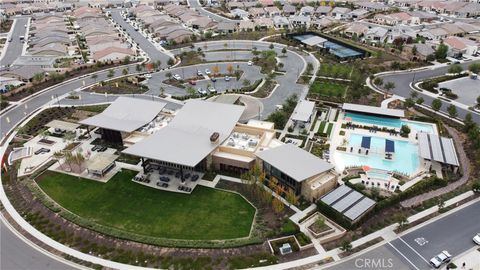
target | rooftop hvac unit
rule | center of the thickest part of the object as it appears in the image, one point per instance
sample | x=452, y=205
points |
x=244, y=136
x=235, y=135
x=231, y=142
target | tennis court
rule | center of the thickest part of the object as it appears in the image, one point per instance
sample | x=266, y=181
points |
x=341, y=51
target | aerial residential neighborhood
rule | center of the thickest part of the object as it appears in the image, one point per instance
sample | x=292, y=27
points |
x=240, y=134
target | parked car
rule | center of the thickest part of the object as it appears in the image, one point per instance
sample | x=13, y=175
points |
x=207, y=71
x=42, y=151
x=201, y=91
x=199, y=73
x=147, y=76
x=192, y=82
x=213, y=79
x=211, y=89
x=442, y=258
x=177, y=77
x=227, y=78
x=250, y=63
x=476, y=239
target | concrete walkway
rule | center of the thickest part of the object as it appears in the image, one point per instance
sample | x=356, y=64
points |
x=388, y=100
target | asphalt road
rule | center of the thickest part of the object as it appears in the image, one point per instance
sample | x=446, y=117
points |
x=196, y=5
x=153, y=52
x=15, y=254
x=413, y=250
x=402, y=86
x=14, y=49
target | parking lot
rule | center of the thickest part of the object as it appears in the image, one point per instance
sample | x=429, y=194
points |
x=466, y=88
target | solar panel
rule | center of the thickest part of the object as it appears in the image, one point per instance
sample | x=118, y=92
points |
x=336, y=194
x=359, y=208
x=347, y=201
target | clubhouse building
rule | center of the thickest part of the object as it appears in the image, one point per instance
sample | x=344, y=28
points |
x=205, y=136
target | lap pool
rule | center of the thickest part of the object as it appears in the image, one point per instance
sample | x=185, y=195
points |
x=389, y=122
x=405, y=160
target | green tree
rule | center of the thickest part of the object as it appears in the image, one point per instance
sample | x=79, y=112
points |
x=246, y=82
x=389, y=86
x=404, y=130
x=191, y=91
x=402, y=221
x=441, y=51
x=414, y=50
x=169, y=75
x=476, y=186
x=38, y=77
x=110, y=73
x=409, y=102
x=452, y=111
x=126, y=60
x=171, y=61
x=378, y=81
x=124, y=72
x=436, y=104
x=291, y=197
x=278, y=206
x=346, y=246
x=420, y=101
x=413, y=94
x=455, y=69
x=474, y=68
x=94, y=77
x=284, y=51
x=271, y=46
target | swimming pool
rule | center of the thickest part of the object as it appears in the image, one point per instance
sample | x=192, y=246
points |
x=405, y=160
x=389, y=122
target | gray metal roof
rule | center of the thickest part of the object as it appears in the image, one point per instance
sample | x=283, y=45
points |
x=373, y=110
x=126, y=114
x=440, y=149
x=295, y=162
x=351, y=203
x=186, y=139
x=347, y=201
x=303, y=111
x=331, y=197
x=359, y=208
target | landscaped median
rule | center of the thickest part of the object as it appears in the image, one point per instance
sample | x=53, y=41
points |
x=121, y=208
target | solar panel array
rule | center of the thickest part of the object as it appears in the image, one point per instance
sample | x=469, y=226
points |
x=350, y=203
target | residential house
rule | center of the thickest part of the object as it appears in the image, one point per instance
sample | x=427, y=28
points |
x=272, y=11
x=323, y=11
x=376, y=34
x=300, y=21
x=358, y=14
x=289, y=10
x=226, y=27
x=263, y=23
x=458, y=46
x=280, y=22
x=341, y=13
x=246, y=26
x=307, y=11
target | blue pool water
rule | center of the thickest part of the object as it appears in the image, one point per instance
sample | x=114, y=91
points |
x=405, y=159
x=389, y=122
x=379, y=175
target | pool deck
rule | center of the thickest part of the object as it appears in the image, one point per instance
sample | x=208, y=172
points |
x=337, y=140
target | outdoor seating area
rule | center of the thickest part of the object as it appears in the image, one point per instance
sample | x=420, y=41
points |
x=169, y=179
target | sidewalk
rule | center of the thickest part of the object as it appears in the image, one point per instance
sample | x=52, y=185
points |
x=471, y=258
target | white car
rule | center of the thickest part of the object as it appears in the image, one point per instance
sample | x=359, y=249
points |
x=207, y=71
x=227, y=78
x=476, y=239
x=147, y=76
x=177, y=77
x=201, y=91
x=250, y=63
x=440, y=259
x=199, y=73
x=211, y=89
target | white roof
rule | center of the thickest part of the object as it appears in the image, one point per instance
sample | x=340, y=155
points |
x=303, y=111
x=186, y=139
x=295, y=162
x=126, y=114
x=434, y=147
x=373, y=110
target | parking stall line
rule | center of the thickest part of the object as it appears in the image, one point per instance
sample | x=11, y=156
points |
x=405, y=257
x=416, y=252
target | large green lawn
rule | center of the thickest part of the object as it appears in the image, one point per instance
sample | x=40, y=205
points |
x=206, y=214
x=327, y=88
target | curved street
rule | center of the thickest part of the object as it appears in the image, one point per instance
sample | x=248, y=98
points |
x=403, y=80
